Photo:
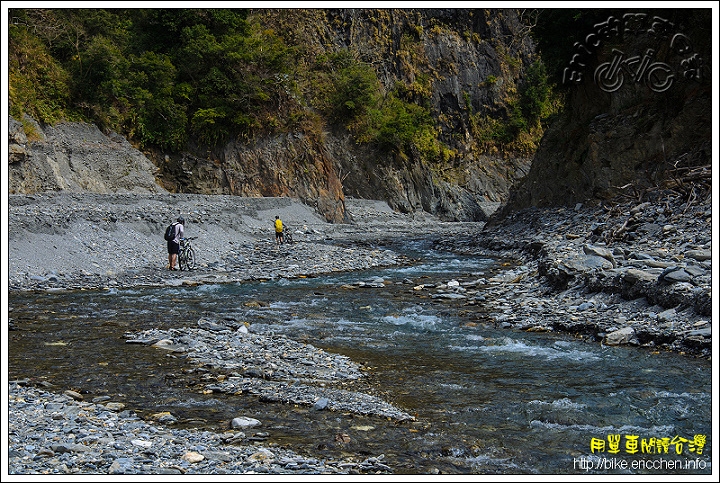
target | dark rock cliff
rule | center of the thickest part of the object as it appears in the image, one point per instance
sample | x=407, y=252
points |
x=633, y=126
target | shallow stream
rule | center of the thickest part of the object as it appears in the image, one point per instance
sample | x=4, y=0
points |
x=487, y=400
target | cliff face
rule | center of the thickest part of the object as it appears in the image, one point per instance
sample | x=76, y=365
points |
x=75, y=157
x=467, y=61
x=458, y=50
x=293, y=166
x=631, y=127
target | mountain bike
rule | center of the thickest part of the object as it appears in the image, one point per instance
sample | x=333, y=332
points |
x=186, y=257
x=610, y=76
x=287, y=235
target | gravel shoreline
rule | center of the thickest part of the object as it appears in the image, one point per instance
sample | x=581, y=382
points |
x=635, y=273
x=73, y=241
x=631, y=273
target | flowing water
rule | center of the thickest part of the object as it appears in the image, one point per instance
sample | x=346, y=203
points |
x=487, y=400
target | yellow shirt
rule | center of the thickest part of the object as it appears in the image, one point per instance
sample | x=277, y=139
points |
x=278, y=225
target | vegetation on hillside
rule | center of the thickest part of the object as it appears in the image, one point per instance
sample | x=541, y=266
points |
x=169, y=77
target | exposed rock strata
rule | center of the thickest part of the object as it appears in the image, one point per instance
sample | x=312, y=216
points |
x=75, y=157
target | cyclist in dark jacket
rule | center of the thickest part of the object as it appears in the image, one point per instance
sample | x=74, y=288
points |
x=173, y=246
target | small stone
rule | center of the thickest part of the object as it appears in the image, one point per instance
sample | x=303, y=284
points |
x=193, y=457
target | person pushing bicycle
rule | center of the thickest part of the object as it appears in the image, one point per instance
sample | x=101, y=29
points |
x=173, y=245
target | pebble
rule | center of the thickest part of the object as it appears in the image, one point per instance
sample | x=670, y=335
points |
x=273, y=367
x=53, y=434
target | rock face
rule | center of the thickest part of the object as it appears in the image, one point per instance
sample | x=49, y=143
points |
x=459, y=50
x=456, y=50
x=285, y=166
x=75, y=157
x=624, y=134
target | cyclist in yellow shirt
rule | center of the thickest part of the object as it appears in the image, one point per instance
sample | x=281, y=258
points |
x=279, y=238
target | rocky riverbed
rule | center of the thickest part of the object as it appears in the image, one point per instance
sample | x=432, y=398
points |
x=637, y=273
x=629, y=273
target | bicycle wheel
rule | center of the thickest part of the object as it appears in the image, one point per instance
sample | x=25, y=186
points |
x=181, y=258
x=659, y=81
x=607, y=82
x=189, y=259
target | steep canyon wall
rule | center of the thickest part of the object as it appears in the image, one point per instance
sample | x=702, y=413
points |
x=456, y=50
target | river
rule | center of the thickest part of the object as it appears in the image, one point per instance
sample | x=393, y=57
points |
x=487, y=400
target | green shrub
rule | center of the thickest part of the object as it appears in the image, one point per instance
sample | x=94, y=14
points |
x=535, y=91
x=37, y=84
